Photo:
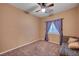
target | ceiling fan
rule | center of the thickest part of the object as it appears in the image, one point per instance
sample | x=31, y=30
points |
x=44, y=7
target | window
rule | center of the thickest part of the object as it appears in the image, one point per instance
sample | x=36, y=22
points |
x=53, y=29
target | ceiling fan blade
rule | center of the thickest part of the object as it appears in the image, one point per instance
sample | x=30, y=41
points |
x=50, y=5
x=39, y=3
x=42, y=5
x=37, y=11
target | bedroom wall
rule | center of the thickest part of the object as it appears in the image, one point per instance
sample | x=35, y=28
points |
x=70, y=22
x=54, y=38
x=16, y=27
x=78, y=21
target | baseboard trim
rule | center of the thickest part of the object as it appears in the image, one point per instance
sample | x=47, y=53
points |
x=54, y=42
x=18, y=47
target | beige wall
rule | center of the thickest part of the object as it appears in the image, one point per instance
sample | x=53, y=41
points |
x=16, y=27
x=54, y=38
x=78, y=21
x=70, y=22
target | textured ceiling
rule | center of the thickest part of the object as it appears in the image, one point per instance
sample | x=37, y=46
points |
x=32, y=7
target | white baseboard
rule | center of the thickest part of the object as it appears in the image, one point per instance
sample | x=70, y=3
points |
x=17, y=47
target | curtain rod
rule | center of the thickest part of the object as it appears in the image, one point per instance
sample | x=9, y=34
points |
x=55, y=19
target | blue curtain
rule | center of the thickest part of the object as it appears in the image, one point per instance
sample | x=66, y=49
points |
x=58, y=25
x=47, y=29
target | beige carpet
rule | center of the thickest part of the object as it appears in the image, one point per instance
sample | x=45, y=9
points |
x=39, y=48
